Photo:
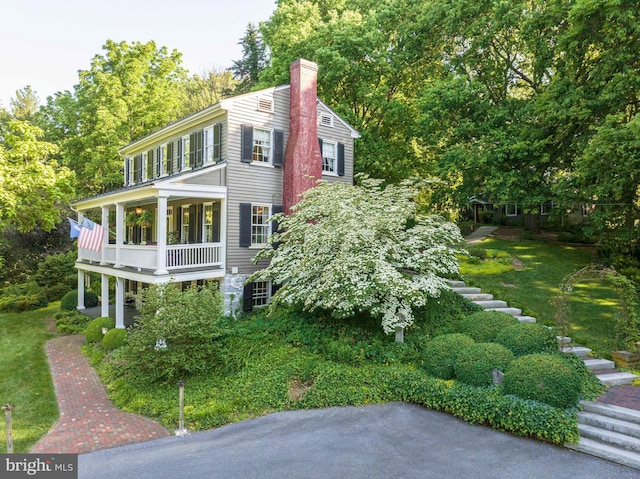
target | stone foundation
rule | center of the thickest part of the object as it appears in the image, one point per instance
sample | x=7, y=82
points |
x=232, y=289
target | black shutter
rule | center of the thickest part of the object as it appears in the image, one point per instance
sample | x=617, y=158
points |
x=137, y=168
x=247, y=297
x=340, y=159
x=193, y=223
x=217, y=141
x=278, y=148
x=199, y=222
x=192, y=150
x=321, y=160
x=197, y=147
x=150, y=160
x=320, y=144
x=158, y=162
x=247, y=144
x=245, y=224
x=178, y=156
x=126, y=171
x=169, y=161
x=275, y=226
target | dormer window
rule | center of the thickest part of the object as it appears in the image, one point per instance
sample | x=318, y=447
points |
x=265, y=104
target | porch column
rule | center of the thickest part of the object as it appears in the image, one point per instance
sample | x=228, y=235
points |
x=119, y=303
x=223, y=232
x=119, y=232
x=80, y=289
x=105, y=296
x=161, y=232
x=105, y=239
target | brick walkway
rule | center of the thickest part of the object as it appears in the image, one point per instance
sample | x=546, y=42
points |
x=88, y=420
x=623, y=396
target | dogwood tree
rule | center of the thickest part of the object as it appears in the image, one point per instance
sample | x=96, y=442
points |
x=347, y=249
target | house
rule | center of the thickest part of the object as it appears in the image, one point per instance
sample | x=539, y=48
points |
x=198, y=194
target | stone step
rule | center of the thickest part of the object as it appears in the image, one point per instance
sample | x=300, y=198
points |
x=478, y=297
x=492, y=304
x=609, y=410
x=457, y=284
x=578, y=350
x=566, y=340
x=616, y=379
x=612, y=438
x=614, y=454
x=511, y=311
x=526, y=319
x=606, y=423
x=466, y=290
x=599, y=364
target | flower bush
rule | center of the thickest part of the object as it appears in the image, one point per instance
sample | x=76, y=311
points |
x=349, y=249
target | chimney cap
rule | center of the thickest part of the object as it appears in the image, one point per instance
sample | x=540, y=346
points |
x=305, y=63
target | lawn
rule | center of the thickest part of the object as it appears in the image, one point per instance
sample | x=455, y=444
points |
x=25, y=378
x=539, y=269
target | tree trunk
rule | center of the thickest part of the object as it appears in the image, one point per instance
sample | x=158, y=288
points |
x=532, y=222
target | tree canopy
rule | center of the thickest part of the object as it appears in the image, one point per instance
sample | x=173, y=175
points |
x=347, y=249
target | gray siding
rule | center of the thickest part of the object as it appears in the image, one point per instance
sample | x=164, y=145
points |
x=338, y=133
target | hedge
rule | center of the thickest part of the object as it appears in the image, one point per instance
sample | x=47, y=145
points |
x=528, y=338
x=474, y=364
x=69, y=301
x=93, y=332
x=441, y=352
x=484, y=326
x=114, y=339
x=548, y=378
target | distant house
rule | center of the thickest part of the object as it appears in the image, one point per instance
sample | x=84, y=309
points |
x=198, y=194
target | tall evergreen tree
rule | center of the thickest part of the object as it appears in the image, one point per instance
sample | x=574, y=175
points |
x=254, y=59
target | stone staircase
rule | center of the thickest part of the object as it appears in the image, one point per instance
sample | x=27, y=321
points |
x=602, y=368
x=606, y=431
x=609, y=432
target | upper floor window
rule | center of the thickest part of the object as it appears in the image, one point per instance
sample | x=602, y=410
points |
x=261, y=145
x=260, y=227
x=329, y=157
x=184, y=157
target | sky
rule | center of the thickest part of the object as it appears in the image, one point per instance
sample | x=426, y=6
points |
x=44, y=43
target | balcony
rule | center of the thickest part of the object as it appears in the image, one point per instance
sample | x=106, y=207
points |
x=179, y=257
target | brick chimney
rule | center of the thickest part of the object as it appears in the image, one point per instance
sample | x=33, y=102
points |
x=302, y=161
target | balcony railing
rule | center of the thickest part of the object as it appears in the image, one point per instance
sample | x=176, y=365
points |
x=179, y=257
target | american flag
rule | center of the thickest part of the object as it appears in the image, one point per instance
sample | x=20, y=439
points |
x=91, y=235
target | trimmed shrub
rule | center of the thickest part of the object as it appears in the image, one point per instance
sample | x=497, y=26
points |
x=69, y=301
x=71, y=322
x=528, y=338
x=547, y=378
x=441, y=315
x=484, y=326
x=114, y=339
x=93, y=332
x=474, y=363
x=441, y=352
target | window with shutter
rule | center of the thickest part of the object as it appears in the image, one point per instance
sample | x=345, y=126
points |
x=247, y=143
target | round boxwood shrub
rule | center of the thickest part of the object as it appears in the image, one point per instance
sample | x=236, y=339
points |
x=93, y=333
x=484, y=326
x=475, y=363
x=441, y=352
x=528, y=338
x=114, y=339
x=69, y=301
x=543, y=377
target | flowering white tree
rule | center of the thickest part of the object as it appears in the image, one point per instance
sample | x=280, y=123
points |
x=348, y=248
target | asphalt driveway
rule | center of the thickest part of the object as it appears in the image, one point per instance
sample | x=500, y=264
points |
x=394, y=440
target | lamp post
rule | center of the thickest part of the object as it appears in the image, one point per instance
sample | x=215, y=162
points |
x=182, y=431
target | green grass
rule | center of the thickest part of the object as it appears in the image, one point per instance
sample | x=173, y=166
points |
x=531, y=289
x=25, y=378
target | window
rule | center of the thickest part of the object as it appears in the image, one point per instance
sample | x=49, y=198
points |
x=143, y=167
x=184, y=157
x=212, y=143
x=260, y=227
x=261, y=145
x=329, y=157
x=184, y=225
x=171, y=234
x=261, y=292
x=545, y=208
x=511, y=209
x=207, y=223
x=128, y=171
x=164, y=161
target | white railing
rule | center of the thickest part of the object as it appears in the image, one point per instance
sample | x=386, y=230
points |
x=179, y=256
x=194, y=255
